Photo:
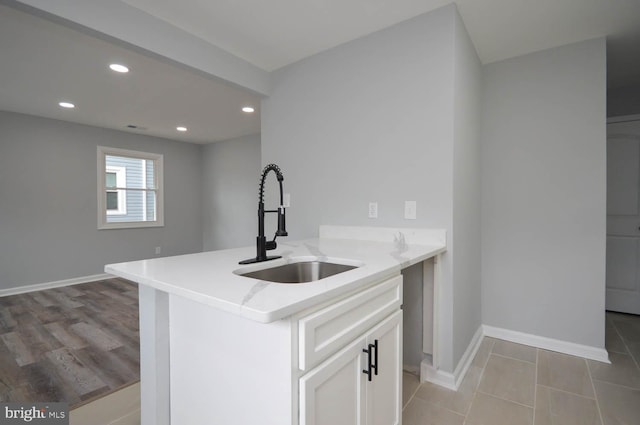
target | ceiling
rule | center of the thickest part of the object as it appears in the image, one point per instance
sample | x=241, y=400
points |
x=272, y=34
x=44, y=62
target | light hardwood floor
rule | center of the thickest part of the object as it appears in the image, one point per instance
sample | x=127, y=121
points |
x=72, y=344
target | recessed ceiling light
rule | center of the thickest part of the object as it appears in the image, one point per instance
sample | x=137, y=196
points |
x=181, y=128
x=248, y=109
x=119, y=68
x=67, y=105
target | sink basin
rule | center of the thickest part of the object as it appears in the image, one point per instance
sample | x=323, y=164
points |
x=301, y=272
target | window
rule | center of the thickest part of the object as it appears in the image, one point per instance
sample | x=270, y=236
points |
x=116, y=177
x=129, y=189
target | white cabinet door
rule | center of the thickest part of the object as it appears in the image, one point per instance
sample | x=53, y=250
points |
x=384, y=392
x=333, y=392
x=338, y=392
x=623, y=217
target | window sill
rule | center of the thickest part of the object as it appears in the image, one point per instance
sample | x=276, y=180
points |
x=130, y=225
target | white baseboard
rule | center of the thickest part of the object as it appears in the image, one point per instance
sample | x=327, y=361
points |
x=453, y=380
x=565, y=347
x=414, y=370
x=444, y=379
x=56, y=284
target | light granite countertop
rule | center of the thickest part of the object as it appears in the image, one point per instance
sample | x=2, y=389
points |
x=212, y=277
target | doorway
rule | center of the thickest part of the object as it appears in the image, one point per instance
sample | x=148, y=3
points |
x=623, y=215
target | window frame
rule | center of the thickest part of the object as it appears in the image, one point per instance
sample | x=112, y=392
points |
x=102, y=153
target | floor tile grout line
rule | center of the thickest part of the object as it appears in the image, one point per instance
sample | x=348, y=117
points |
x=413, y=394
x=477, y=390
x=615, y=328
x=535, y=389
x=617, y=385
x=473, y=399
x=505, y=399
x=624, y=342
x=514, y=358
x=566, y=392
x=491, y=353
x=437, y=405
x=595, y=394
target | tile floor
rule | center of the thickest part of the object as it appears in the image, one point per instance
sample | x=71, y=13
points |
x=512, y=384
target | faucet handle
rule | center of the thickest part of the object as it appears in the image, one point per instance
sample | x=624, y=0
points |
x=282, y=228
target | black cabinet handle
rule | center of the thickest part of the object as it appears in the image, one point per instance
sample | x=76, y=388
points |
x=375, y=348
x=370, y=366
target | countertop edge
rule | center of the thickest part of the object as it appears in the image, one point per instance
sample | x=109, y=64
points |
x=288, y=308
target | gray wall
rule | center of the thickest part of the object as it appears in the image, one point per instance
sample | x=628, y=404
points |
x=48, y=211
x=412, y=320
x=465, y=233
x=231, y=170
x=370, y=120
x=544, y=194
x=373, y=120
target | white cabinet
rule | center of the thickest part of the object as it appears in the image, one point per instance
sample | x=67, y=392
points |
x=333, y=392
x=303, y=370
x=326, y=330
x=360, y=384
x=384, y=392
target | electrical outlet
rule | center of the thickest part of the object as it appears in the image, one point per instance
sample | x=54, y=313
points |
x=286, y=200
x=158, y=250
x=410, y=210
x=373, y=210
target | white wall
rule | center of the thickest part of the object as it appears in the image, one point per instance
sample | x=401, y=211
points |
x=465, y=233
x=230, y=171
x=544, y=195
x=48, y=201
x=373, y=120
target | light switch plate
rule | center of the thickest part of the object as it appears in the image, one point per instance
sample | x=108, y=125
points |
x=286, y=200
x=373, y=210
x=410, y=210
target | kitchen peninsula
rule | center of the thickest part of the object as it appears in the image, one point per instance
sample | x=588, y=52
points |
x=219, y=347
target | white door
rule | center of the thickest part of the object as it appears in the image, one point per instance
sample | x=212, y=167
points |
x=384, y=392
x=333, y=392
x=623, y=217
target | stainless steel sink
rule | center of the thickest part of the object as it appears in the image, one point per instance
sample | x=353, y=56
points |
x=301, y=272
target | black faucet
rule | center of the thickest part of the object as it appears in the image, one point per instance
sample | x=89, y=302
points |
x=262, y=245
